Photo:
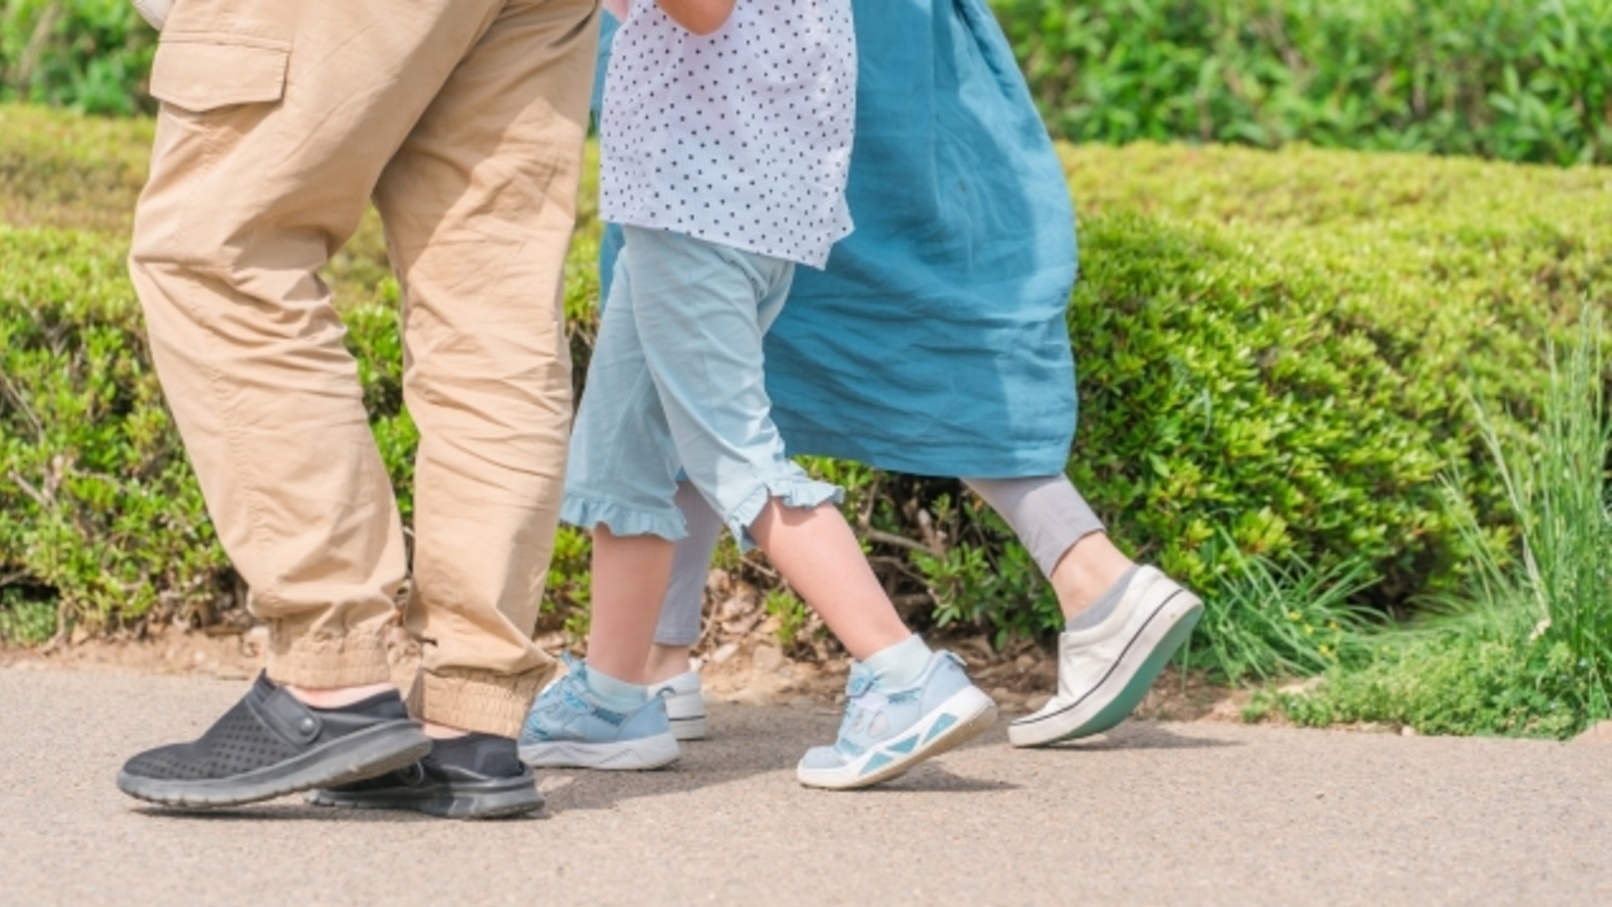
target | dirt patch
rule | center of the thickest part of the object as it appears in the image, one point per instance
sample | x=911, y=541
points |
x=744, y=655
x=751, y=669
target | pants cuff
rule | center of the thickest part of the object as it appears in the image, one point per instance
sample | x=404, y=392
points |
x=587, y=513
x=791, y=490
x=489, y=703
x=326, y=661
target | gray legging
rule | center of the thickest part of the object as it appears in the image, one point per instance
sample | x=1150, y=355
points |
x=1047, y=512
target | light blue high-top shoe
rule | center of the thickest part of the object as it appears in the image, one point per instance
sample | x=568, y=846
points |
x=569, y=727
x=885, y=732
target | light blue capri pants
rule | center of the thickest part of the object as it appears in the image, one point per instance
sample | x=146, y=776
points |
x=676, y=386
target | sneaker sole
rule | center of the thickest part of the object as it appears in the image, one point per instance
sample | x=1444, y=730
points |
x=969, y=710
x=493, y=800
x=362, y=754
x=690, y=728
x=627, y=755
x=1117, y=696
x=686, y=712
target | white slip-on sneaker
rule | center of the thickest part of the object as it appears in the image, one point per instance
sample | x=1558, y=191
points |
x=685, y=704
x=1104, y=671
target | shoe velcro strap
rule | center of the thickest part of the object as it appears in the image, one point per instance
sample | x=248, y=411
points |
x=286, y=717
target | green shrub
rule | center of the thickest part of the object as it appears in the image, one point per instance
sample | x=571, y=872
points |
x=97, y=503
x=1527, y=646
x=1518, y=81
x=70, y=172
x=1279, y=345
x=977, y=571
x=25, y=621
x=1515, y=81
x=90, y=55
x=1273, y=350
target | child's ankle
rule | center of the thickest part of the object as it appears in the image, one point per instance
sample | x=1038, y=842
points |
x=900, y=665
x=614, y=692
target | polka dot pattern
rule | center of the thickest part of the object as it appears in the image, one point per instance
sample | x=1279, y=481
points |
x=741, y=137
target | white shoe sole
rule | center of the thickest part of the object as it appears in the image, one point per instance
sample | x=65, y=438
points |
x=690, y=728
x=970, y=711
x=1119, y=692
x=627, y=755
x=686, y=712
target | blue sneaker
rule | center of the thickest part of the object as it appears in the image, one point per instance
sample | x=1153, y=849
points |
x=886, y=732
x=569, y=727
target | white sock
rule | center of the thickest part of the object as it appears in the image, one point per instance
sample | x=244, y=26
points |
x=1098, y=611
x=618, y=694
x=899, y=666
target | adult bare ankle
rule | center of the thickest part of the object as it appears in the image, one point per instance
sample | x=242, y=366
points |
x=337, y=697
x=666, y=662
x=1090, y=567
x=441, y=731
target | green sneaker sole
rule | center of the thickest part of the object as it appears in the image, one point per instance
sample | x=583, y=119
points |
x=1142, y=681
x=1126, y=683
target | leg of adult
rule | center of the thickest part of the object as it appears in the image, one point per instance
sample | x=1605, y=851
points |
x=1062, y=533
x=262, y=166
x=680, y=611
x=1123, y=622
x=479, y=204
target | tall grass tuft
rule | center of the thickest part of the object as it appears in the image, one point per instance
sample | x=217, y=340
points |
x=1563, y=503
x=1272, y=619
x=1529, y=649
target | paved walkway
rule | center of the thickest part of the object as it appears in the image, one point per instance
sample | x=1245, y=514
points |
x=1151, y=814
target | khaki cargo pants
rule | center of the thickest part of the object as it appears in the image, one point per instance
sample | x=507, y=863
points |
x=464, y=121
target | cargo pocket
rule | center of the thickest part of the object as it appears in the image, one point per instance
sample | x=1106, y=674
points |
x=203, y=72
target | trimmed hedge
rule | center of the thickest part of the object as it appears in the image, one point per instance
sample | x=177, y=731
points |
x=1516, y=81
x=1284, y=345
x=1273, y=351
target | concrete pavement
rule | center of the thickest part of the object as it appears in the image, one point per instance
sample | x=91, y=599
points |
x=1153, y=813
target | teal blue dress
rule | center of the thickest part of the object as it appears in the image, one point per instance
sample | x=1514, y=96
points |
x=935, y=342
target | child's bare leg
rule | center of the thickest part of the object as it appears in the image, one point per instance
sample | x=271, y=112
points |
x=629, y=580
x=817, y=552
x=600, y=714
x=904, y=703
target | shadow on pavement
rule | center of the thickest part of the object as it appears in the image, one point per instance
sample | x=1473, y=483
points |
x=292, y=809
x=745, y=742
x=1143, y=735
x=935, y=777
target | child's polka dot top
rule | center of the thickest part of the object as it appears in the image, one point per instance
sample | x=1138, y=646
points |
x=741, y=137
